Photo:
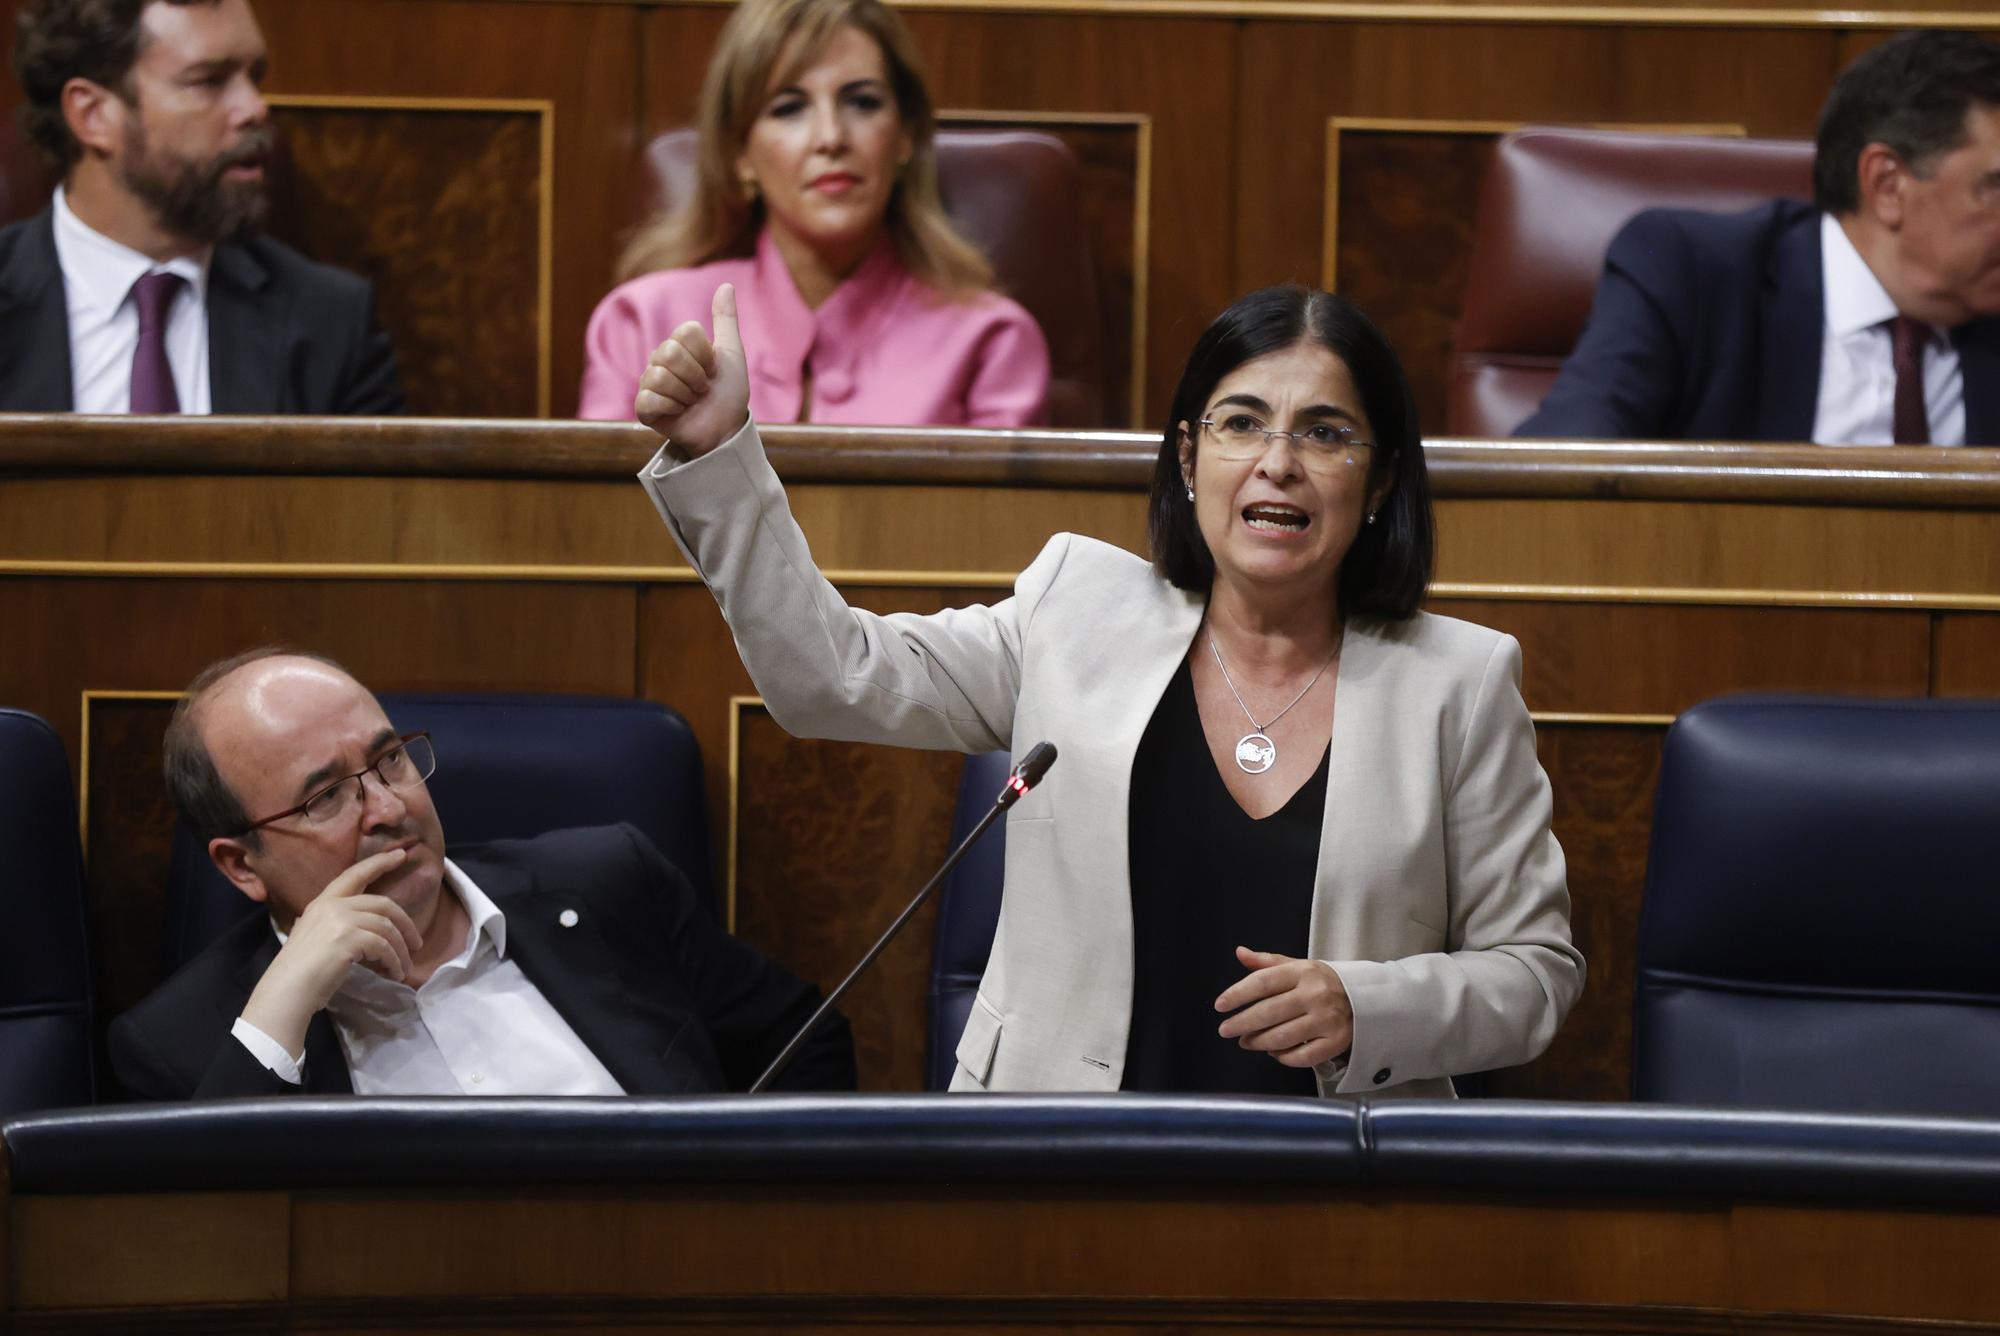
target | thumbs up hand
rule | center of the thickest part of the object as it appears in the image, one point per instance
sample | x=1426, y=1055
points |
x=696, y=391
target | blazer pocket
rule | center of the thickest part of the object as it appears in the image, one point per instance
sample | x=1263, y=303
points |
x=980, y=1041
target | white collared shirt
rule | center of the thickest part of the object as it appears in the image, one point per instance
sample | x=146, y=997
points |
x=1857, y=368
x=477, y=1026
x=98, y=274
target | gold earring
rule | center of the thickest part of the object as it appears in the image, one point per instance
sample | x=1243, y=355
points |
x=749, y=190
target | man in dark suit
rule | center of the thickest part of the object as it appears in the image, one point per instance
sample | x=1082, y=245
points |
x=575, y=963
x=1872, y=318
x=144, y=287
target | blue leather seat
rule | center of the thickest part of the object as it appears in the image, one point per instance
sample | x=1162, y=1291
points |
x=968, y=912
x=45, y=1010
x=508, y=766
x=1822, y=908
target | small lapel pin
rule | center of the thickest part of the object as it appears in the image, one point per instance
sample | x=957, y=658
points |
x=567, y=918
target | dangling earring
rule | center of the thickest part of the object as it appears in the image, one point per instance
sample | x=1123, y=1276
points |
x=1371, y=517
x=749, y=184
x=1190, y=491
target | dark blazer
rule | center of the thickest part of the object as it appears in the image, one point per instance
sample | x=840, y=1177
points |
x=1708, y=327
x=666, y=999
x=285, y=335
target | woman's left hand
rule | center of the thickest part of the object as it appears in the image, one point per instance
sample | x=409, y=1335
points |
x=1295, y=1010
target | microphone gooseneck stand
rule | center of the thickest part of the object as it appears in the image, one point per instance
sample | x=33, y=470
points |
x=1026, y=775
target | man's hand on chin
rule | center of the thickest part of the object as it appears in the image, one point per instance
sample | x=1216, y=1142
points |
x=343, y=926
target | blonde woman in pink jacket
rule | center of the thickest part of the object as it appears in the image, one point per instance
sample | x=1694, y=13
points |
x=817, y=199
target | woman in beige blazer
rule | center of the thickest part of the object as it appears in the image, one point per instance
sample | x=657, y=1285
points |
x=1298, y=838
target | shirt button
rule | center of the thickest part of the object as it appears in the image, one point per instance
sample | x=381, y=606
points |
x=1381, y=1077
x=478, y=1079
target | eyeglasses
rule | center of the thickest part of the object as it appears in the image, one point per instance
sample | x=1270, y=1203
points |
x=409, y=763
x=1323, y=445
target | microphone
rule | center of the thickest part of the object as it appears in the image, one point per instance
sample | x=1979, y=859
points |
x=1024, y=777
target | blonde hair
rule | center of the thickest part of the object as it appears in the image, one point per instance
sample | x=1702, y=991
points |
x=719, y=222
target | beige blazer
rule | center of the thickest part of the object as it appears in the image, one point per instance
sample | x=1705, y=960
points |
x=1440, y=896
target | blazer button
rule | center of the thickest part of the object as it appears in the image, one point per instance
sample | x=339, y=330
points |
x=1382, y=1076
x=567, y=918
x=834, y=386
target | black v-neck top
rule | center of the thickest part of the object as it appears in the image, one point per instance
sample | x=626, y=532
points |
x=1205, y=879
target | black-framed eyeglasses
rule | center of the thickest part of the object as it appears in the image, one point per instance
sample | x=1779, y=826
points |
x=404, y=766
x=1327, y=444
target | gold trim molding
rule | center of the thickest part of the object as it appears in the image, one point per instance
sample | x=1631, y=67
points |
x=1442, y=591
x=1338, y=125
x=1562, y=719
x=1376, y=11
x=545, y=216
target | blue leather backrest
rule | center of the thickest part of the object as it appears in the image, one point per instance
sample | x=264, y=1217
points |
x=1822, y=908
x=509, y=766
x=45, y=1012
x=967, y=915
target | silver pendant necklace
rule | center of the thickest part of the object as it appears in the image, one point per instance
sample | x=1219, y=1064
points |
x=1255, y=752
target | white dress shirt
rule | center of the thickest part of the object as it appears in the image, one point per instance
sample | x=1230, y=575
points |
x=477, y=1026
x=1857, y=369
x=98, y=274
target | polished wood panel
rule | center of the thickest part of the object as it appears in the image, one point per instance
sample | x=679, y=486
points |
x=1967, y=656
x=128, y=834
x=580, y=57
x=1603, y=776
x=976, y=1257
x=1647, y=659
x=1666, y=547
x=443, y=207
x=1405, y=237
x=163, y=1250
x=832, y=840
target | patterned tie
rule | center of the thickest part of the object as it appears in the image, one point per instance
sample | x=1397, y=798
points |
x=152, y=377
x=1907, y=338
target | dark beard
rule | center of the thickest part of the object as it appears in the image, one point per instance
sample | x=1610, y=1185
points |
x=191, y=199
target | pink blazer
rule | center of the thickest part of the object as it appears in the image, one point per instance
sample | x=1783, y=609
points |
x=884, y=350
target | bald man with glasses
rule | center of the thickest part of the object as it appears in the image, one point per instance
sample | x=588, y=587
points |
x=575, y=963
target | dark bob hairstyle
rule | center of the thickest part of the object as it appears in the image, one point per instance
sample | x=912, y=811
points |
x=1387, y=570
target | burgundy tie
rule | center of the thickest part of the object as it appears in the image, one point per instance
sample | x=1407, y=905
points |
x=1907, y=338
x=152, y=377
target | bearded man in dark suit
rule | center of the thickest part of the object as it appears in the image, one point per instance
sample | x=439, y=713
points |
x=144, y=286
x=575, y=963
